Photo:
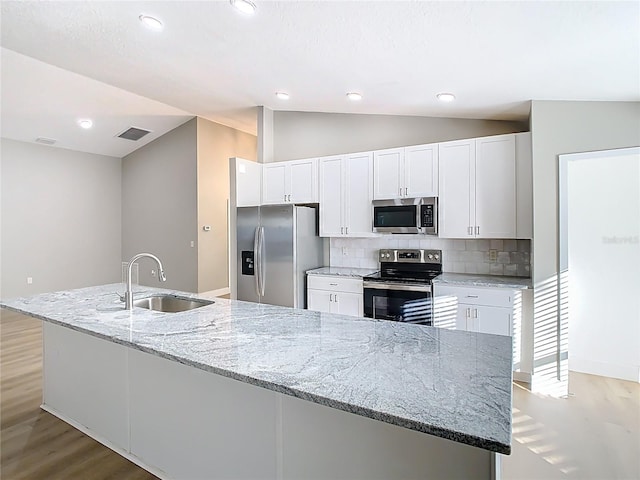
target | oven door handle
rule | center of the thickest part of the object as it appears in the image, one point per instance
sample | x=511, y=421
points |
x=397, y=286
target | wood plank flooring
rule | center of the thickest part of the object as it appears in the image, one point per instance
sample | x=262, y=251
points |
x=593, y=434
x=36, y=445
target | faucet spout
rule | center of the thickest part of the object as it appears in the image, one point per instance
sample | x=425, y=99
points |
x=128, y=295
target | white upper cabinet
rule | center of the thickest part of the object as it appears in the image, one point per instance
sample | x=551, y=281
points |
x=388, y=181
x=246, y=179
x=290, y=182
x=407, y=172
x=457, y=188
x=345, y=195
x=496, y=187
x=478, y=188
x=421, y=171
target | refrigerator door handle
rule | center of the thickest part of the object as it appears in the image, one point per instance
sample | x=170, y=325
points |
x=262, y=262
x=256, y=259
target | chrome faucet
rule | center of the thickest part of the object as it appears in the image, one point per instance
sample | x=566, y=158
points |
x=128, y=295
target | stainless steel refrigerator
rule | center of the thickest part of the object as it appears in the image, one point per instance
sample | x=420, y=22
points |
x=276, y=246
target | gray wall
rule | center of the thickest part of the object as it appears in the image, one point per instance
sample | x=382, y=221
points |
x=569, y=127
x=159, y=207
x=310, y=134
x=216, y=144
x=60, y=219
x=560, y=127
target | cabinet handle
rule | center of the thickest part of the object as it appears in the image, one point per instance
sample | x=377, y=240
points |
x=400, y=191
x=333, y=284
x=472, y=296
x=341, y=230
x=477, y=229
x=285, y=198
x=475, y=313
x=469, y=230
x=406, y=191
x=289, y=197
x=468, y=313
x=335, y=297
x=346, y=230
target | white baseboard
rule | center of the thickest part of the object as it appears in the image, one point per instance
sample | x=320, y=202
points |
x=216, y=293
x=605, y=369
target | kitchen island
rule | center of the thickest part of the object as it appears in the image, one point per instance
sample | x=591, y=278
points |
x=243, y=390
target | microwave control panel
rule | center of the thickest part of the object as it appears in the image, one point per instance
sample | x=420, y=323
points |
x=426, y=216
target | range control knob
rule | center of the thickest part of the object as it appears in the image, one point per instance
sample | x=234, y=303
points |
x=430, y=256
x=436, y=256
x=388, y=255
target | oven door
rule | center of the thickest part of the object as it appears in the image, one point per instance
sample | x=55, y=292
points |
x=399, y=302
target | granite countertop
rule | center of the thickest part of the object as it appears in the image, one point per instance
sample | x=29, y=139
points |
x=472, y=280
x=447, y=383
x=354, y=272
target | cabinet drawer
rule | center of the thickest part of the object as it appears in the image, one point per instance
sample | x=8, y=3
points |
x=491, y=297
x=334, y=284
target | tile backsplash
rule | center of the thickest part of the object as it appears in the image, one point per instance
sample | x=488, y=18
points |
x=458, y=256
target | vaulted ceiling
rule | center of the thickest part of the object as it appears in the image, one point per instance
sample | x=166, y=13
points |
x=66, y=60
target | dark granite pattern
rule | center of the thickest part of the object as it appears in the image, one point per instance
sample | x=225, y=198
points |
x=452, y=384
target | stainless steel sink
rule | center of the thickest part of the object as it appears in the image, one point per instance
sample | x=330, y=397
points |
x=170, y=303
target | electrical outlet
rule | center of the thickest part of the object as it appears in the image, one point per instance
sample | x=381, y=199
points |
x=153, y=273
x=493, y=255
x=29, y=280
x=193, y=244
x=345, y=251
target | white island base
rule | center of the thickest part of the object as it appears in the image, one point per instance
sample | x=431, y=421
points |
x=180, y=422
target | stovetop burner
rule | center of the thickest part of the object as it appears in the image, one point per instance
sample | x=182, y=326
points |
x=408, y=266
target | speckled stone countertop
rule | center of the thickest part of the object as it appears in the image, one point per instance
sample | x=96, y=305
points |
x=448, y=383
x=482, y=280
x=342, y=271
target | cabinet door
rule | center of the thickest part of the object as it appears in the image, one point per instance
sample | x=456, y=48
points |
x=348, y=304
x=331, y=186
x=319, y=300
x=457, y=190
x=421, y=171
x=495, y=211
x=274, y=189
x=387, y=174
x=248, y=182
x=357, y=195
x=303, y=181
x=495, y=320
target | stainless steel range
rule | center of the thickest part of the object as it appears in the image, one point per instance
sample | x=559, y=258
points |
x=401, y=290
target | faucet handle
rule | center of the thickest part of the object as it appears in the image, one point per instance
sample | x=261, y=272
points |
x=121, y=297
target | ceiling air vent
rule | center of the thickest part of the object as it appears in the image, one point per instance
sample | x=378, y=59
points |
x=45, y=141
x=133, y=133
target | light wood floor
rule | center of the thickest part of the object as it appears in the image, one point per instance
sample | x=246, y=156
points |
x=594, y=434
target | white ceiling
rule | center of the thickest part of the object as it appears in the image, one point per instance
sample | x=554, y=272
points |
x=214, y=62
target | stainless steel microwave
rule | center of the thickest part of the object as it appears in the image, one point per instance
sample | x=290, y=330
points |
x=406, y=215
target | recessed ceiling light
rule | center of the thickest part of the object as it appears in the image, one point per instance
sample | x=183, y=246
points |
x=85, y=123
x=244, y=6
x=446, y=97
x=282, y=95
x=151, y=23
x=354, y=96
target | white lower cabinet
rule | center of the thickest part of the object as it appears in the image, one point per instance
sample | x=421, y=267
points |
x=475, y=309
x=333, y=294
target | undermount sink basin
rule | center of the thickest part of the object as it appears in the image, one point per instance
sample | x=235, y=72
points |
x=170, y=303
